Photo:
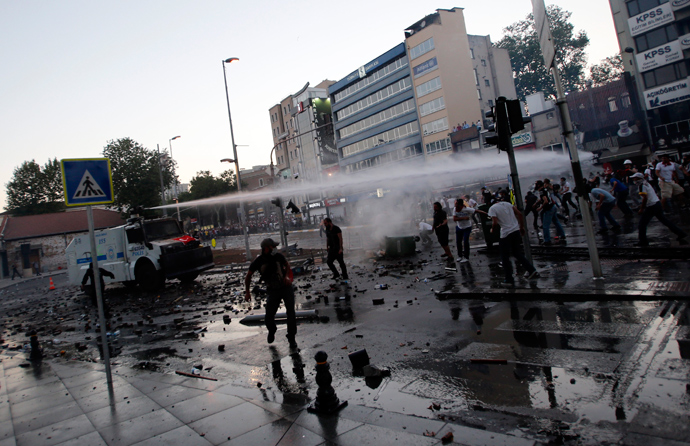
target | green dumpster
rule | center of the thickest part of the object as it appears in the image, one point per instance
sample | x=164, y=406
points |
x=489, y=237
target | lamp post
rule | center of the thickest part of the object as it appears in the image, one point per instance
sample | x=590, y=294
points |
x=237, y=163
x=175, y=192
x=160, y=174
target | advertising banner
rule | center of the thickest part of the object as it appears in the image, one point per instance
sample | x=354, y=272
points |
x=677, y=5
x=651, y=19
x=659, y=56
x=667, y=94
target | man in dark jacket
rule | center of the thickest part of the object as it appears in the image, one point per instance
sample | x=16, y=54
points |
x=276, y=274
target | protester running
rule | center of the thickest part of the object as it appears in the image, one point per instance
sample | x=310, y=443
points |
x=334, y=246
x=276, y=274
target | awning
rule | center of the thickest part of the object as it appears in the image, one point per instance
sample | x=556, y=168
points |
x=624, y=152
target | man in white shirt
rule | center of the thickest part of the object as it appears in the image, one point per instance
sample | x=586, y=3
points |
x=472, y=203
x=511, y=224
x=567, y=197
x=667, y=173
x=651, y=207
x=425, y=230
x=463, y=228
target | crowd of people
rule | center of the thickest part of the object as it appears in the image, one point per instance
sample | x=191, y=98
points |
x=655, y=191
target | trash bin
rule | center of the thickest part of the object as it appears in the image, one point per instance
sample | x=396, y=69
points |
x=400, y=246
x=489, y=237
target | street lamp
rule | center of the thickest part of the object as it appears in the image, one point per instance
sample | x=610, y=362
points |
x=175, y=190
x=237, y=163
x=160, y=173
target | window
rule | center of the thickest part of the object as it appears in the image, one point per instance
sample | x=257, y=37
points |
x=665, y=74
x=472, y=53
x=550, y=115
x=556, y=148
x=479, y=94
x=395, y=134
x=380, y=117
x=436, y=126
x=636, y=7
x=261, y=182
x=486, y=83
x=370, y=79
x=625, y=100
x=491, y=102
x=422, y=48
x=395, y=155
x=432, y=106
x=274, y=133
x=656, y=38
x=438, y=146
x=612, y=104
x=483, y=63
x=476, y=78
x=385, y=93
x=428, y=87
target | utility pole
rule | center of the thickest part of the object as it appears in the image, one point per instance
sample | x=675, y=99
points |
x=508, y=119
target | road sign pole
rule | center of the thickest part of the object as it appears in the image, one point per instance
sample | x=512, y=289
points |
x=541, y=23
x=99, y=297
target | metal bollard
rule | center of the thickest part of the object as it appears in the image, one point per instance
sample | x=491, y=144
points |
x=327, y=401
x=36, y=353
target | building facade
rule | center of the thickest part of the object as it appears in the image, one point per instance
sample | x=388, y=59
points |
x=407, y=103
x=654, y=38
x=375, y=115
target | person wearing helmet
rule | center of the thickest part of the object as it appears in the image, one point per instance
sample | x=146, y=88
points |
x=276, y=274
x=651, y=207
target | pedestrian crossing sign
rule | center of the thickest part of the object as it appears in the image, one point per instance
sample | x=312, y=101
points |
x=87, y=181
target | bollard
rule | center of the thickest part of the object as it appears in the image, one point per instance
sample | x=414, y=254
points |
x=327, y=401
x=36, y=353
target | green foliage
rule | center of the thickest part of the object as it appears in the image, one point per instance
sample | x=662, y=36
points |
x=136, y=174
x=35, y=190
x=607, y=70
x=205, y=185
x=529, y=71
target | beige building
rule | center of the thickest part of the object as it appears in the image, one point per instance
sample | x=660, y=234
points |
x=443, y=77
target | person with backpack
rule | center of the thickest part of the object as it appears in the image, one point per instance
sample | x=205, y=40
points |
x=548, y=207
x=276, y=274
x=620, y=191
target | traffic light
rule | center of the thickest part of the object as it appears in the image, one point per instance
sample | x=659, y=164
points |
x=499, y=115
x=515, y=119
x=292, y=207
x=277, y=202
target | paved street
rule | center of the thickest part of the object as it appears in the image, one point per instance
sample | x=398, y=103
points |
x=560, y=360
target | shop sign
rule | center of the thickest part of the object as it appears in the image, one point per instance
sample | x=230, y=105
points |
x=658, y=57
x=677, y=5
x=522, y=139
x=425, y=67
x=684, y=41
x=667, y=94
x=651, y=19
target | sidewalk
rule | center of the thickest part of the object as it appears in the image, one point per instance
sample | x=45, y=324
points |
x=68, y=403
x=8, y=282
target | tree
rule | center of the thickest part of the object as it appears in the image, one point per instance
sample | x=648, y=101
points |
x=529, y=71
x=136, y=174
x=205, y=185
x=607, y=70
x=35, y=190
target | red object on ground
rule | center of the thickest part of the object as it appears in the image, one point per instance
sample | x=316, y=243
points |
x=52, y=285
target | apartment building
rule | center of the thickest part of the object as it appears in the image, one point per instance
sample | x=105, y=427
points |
x=654, y=39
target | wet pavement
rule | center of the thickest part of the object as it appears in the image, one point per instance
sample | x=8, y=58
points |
x=564, y=359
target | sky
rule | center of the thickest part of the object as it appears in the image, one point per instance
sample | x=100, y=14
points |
x=75, y=75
